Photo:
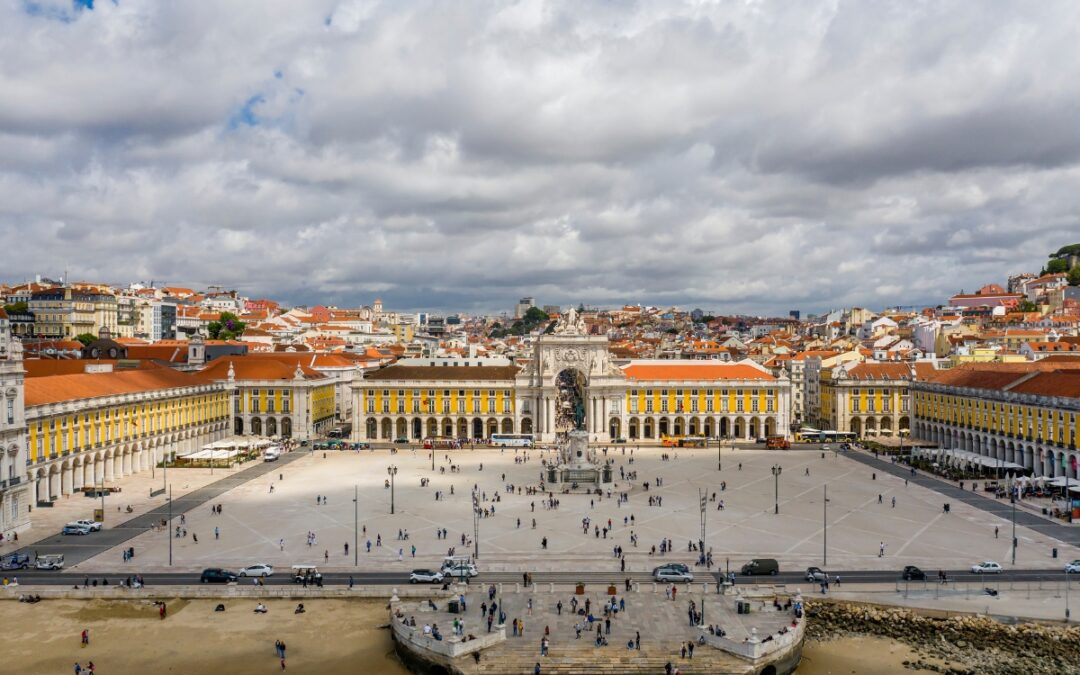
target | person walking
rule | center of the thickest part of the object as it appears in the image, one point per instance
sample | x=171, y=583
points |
x=217, y=533
x=881, y=550
x=86, y=637
x=637, y=640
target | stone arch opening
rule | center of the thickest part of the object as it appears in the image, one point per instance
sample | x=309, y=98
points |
x=614, y=428
x=665, y=426
x=526, y=425
x=256, y=426
x=238, y=426
x=417, y=428
x=570, y=401
x=271, y=426
x=508, y=426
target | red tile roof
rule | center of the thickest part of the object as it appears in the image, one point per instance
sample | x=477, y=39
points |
x=702, y=371
x=59, y=388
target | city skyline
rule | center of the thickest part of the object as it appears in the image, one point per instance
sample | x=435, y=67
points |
x=754, y=160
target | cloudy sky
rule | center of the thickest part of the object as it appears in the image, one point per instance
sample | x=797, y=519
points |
x=740, y=156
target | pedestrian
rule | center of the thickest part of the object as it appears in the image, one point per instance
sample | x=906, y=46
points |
x=690, y=648
x=326, y=556
x=277, y=648
x=217, y=533
x=894, y=502
x=995, y=532
x=86, y=637
x=195, y=537
x=78, y=668
x=558, y=608
x=881, y=550
x=637, y=635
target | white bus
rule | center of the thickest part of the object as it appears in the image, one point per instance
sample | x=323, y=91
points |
x=512, y=440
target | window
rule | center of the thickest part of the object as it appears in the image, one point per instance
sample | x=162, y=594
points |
x=648, y=405
x=769, y=405
x=270, y=401
x=709, y=404
x=633, y=405
x=461, y=405
x=253, y=401
x=416, y=404
x=11, y=411
x=285, y=402
x=739, y=404
x=370, y=403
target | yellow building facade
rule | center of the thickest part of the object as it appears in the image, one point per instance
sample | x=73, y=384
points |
x=868, y=399
x=1024, y=414
x=95, y=428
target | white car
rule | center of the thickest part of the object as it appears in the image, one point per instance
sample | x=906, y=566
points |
x=986, y=567
x=425, y=577
x=1073, y=567
x=259, y=570
x=94, y=525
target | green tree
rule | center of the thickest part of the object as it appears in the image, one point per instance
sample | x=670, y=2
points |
x=228, y=327
x=1074, y=276
x=85, y=338
x=535, y=315
x=1027, y=306
x=1057, y=266
x=17, y=308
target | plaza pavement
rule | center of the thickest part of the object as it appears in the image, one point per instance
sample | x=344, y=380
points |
x=916, y=531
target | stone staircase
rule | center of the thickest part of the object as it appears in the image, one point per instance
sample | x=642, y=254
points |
x=519, y=655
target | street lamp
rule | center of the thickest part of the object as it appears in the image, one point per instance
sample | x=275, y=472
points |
x=719, y=460
x=356, y=526
x=776, y=469
x=392, y=471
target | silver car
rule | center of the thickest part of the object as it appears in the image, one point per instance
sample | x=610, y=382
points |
x=672, y=574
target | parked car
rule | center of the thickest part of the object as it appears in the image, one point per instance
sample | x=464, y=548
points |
x=426, y=577
x=216, y=575
x=986, y=567
x=460, y=571
x=815, y=575
x=94, y=525
x=401, y=440
x=271, y=455
x=1073, y=567
x=15, y=561
x=912, y=573
x=759, y=566
x=75, y=528
x=672, y=573
x=51, y=561
x=257, y=570
x=620, y=439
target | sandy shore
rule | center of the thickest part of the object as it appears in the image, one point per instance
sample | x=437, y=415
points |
x=880, y=656
x=334, y=636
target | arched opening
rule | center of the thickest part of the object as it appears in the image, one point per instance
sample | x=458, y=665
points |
x=770, y=426
x=432, y=427
x=417, y=428
x=648, y=428
x=755, y=428
x=387, y=429
x=372, y=428
x=448, y=428
x=710, y=427
x=492, y=428
x=905, y=425
x=271, y=426
x=508, y=426
x=856, y=426
x=477, y=428
x=615, y=428
x=634, y=428
x=694, y=427
x=526, y=425
x=725, y=427
x=238, y=426
x=871, y=426
x=256, y=426
x=665, y=426
x=740, y=428
x=570, y=401
x=286, y=427
x=401, y=429
x=680, y=427
x=462, y=428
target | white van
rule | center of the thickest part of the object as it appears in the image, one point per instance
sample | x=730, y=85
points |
x=271, y=455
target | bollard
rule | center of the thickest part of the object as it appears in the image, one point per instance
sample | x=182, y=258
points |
x=654, y=587
x=551, y=587
x=517, y=587
x=533, y=587
x=500, y=588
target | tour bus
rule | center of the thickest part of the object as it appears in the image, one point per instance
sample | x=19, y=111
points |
x=512, y=440
x=815, y=436
x=684, y=442
x=441, y=443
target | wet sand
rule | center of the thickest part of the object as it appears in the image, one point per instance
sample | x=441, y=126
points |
x=845, y=656
x=333, y=636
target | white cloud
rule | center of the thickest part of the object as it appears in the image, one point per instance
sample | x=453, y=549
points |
x=736, y=156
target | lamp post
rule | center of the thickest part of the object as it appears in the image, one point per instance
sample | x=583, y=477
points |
x=356, y=526
x=168, y=530
x=1013, y=500
x=719, y=456
x=776, y=469
x=825, y=527
x=392, y=471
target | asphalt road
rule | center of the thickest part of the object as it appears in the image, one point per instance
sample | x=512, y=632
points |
x=31, y=576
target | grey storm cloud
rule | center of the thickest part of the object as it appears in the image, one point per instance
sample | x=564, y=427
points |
x=737, y=156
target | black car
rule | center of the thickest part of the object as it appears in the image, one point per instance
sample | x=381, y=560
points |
x=912, y=573
x=216, y=575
